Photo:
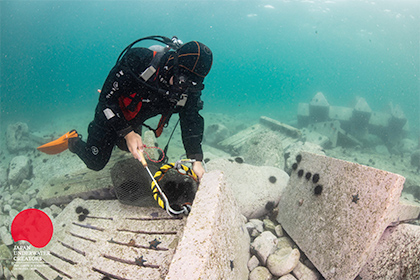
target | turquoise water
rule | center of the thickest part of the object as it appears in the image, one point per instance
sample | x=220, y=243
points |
x=269, y=55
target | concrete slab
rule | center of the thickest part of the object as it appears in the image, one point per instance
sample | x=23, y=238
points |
x=85, y=184
x=215, y=244
x=336, y=211
x=397, y=255
x=113, y=240
x=281, y=127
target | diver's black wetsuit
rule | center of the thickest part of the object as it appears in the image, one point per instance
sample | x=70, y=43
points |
x=111, y=124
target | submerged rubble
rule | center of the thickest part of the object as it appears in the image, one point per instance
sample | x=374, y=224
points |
x=257, y=162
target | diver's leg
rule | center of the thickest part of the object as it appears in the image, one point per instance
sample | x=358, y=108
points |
x=95, y=153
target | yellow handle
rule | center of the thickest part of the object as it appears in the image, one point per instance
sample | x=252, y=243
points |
x=142, y=159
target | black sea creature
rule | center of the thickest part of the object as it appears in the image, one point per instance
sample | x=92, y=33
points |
x=315, y=178
x=318, y=190
x=300, y=173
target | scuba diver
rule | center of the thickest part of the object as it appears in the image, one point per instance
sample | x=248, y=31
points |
x=144, y=83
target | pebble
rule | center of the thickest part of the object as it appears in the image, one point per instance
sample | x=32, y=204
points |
x=7, y=208
x=17, y=195
x=284, y=242
x=55, y=210
x=259, y=225
x=260, y=273
x=269, y=225
x=26, y=198
x=250, y=227
x=283, y=261
x=288, y=277
x=5, y=253
x=253, y=263
x=301, y=271
x=264, y=245
x=279, y=231
x=13, y=213
x=5, y=236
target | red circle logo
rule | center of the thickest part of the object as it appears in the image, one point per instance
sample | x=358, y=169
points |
x=34, y=226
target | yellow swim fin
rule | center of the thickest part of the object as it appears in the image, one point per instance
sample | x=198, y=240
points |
x=59, y=145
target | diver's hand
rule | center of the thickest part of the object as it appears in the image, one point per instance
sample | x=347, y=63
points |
x=134, y=144
x=198, y=169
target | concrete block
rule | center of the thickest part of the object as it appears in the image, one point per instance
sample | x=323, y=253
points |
x=334, y=132
x=360, y=118
x=234, y=143
x=254, y=187
x=113, y=239
x=336, y=211
x=303, y=115
x=215, y=244
x=319, y=108
x=239, y=143
x=86, y=184
x=342, y=114
x=397, y=255
x=281, y=127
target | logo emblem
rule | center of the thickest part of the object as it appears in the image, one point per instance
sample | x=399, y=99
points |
x=34, y=226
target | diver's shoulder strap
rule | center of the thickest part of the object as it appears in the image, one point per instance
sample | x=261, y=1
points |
x=152, y=67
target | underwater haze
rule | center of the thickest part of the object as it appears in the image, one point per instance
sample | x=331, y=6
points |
x=268, y=55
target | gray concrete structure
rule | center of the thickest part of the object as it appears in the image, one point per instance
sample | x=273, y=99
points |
x=336, y=212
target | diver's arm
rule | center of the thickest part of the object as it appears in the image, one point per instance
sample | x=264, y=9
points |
x=192, y=126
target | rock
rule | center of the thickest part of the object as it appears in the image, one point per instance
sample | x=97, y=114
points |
x=6, y=273
x=264, y=245
x=302, y=272
x=415, y=158
x=32, y=203
x=17, y=195
x=13, y=213
x=250, y=227
x=258, y=224
x=287, y=277
x=284, y=242
x=5, y=253
x=382, y=149
x=279, y=231
x=283, y=261
x=269, y=225
x=253, y=263
x=7, y=208
x=404, y=146
x=26, y=198
x=260, y=273
x=18, y=138
x=215, y=133
x=19, y=169
x=256, y=188
x=5, y=236
x=3, y=176
x=255, y=150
